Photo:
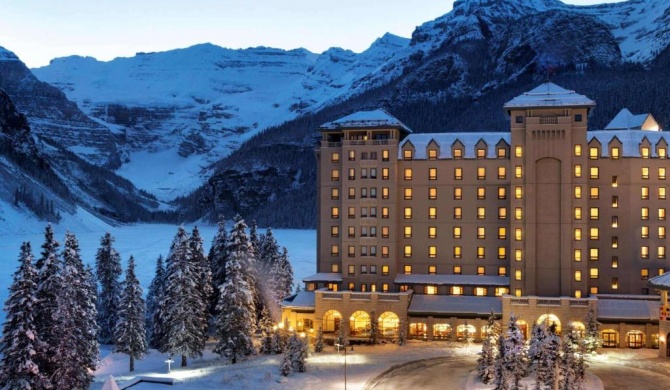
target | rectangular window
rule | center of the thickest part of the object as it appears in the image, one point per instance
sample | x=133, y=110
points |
x=364, y=173
x=335, y=175
x=481, y=173
x=577, y=234
x=502, y=233
x=615, y=201
x=615, y=283
x=351, y=232
x=518, y=172
x=645, y=173
x=458, y=213
x=456, y=290
x=408, y=193
x=385, y=192
x=578, y=213
x=458, y=252
x=432, y=232
x=615, y=262
x=661, y=232
x=408, y=213
x=351, y=212
x=458, y=173
x=385, y=232
x=407, y=154
x=432, y=270
x=480, y=291
x=518, y=151
x=408, y=251
x=334, y=250
x=594, y=233
x=352, y=155
x=644, y=273
x=615, y=222
x=644, y=213
x=644, y=252
x=364, y=192
x=352, y=174
x=385, y=155
x=432, y=251
x=334, y=231
x=352, y=270
x=594, y=213
x=518, y=192
x=577, y=255
x=351, y=251
x=335, y=268
x=407, y=231
x=593, y=273
x=432, y=174
x=518, y=213
x=661, y=173
x=432, y=193
x=481, y=252
x=502, y=193
x=502, y=173
x=661, y=214
x=481, y=232
x=518, y=254
x=457, y=270
x=502, y=271
x=594, y=172
x=594, y=153
x=481, y=270
x=578, y=276
x=662, y=153
x=578, y=192
x=594, y=254
x=385, y=212
x=615, y=153
x=594, y=193
x=518, y=234
x=373, y=192
x=385, y=251
x=335, y=212
x=518, y=275
x=385, y=173
x=385, y=270
x=578, y=150
x=352, y=193
x=481, y=193
x=335, y=193
x=502, y=212
x=457, y=153
x=373, y=173
x=481, y=212
x=660, y=252
x=502, y=253
x=578, y=117
x=458, y=193
x=481, y=154
x=457, y=232
x=364, y=269
x=407, y=269
x=615, y=181
x=644, y=232
x=432, y=154
x=578, y=170
x=430, y=290
x=408, y=173
x=661, y=193
x=335, y=157
x=644, y=193
x=502, y=153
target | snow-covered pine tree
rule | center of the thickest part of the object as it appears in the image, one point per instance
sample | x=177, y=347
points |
x=543, y=354
x=318, y=343
x=592, y=340
x=286, y=364
x=268, y=252
x=75, y=321
x=266, y=343
x=236, y=322
x=468, y=336
x=154, y=297
x=487, y=356
x=501, y=380
x=108, y=271
x=49, y=286
x=341, y=339
x=279, y=339
x=204, y=277
x=130, y=334
x=515, y=354
x=572, y=367
x=218, y=256
x=239, y=247
x=298, y=351
x=375, y=332
x=20, y=339
x=254, y=239
x=182, y=308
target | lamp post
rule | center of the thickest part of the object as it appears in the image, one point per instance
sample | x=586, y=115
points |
x=344, y=346
x=169, y=361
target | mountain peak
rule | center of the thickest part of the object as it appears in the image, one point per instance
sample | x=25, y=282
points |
x=6, y=55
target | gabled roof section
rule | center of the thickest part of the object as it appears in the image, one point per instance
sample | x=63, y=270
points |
x=302, y=300
x=366, y=119
x=625, y=120
x=630, y=140
x=446, y=141
x=549, y=95
x=660, y=282
x=324, y=277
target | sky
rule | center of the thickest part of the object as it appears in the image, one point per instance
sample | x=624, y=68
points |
x=39, y=30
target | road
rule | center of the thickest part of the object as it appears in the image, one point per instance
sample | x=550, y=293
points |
x=620, y=377
x=432, y=374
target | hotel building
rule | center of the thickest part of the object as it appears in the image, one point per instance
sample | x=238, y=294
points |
x=434, y=231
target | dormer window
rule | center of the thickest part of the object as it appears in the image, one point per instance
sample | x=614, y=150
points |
x=432, y=154
x=481, y=154
x=458, y=153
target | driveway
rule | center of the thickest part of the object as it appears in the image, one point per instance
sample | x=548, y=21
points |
x=449, y=373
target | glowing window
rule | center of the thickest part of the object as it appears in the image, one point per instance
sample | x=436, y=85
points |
x=518, y=254
x=408, y=213
x=385, y=251
x=578, y=150
x=594, y=193
x=481, y=193
x=407, y=270
x=407, y=231
x=334, y=250
x=407, y=154
x=518, y=151
x=335, y=212
x=577, y=255
x=645, y=173
x=578, y=276
x=458, y=173
x=408, y=193
x=644, y=252
x=518, y=275
x=432, y=154
x=578, y=234
x=502, y=233
x=432, y=232
x=518, y=234
x=458, y=193
x=593, y=273
x=457, y=231
x=430, y=290
x=518, y=171
x=502, y=193
x=481, y=233
x=518, y=213
x=432, y=251
x=594, y=153
x=481, y=212
x=578, y=192
x=481, y=173
x=432, y=193
x=594, y=172
x=615, y=153
x=594, y=233
x=502, y=253
x=481, y=252
x=518, y=192
x=502, y=173
x=502, y=212
x=578, y=213
x=644, y=213
x=578, y=170
x=594, y=213
x=432, y=174
x=458, y=213
x=644, y=193
x=594, y=254
x=432, y=212
x=458, y=252
x=334, y=231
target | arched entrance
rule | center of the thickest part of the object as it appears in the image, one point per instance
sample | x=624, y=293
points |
x=579, y=328
x=552, y=321
x=359, y=324
x=610, y=338
x=331, y=321
x=388, y=324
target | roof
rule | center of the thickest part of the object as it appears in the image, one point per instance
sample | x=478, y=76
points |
x=300, y=300
x=460, y=280
x=446, y=140
x=324, y=277
x=628, y=309
x=661, y=282
x=366, y=119
x=454, y=305
x=630, y=140
x=625, y=120
x=549, y=95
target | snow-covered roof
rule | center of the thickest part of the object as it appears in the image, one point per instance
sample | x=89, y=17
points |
x=324, y=277
x=661, y=282
x=625, y=120
x=301, y=300
x=550, y=95
x=628, y=309
x=452, y=280
x=446, y=140
x=454, y=305
x=366, y=119
x=630, y=140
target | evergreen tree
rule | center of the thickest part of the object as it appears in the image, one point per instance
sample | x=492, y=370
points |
x=154, y=297
x=513, y=358
x=341, y=339
x=500, y=376
x=592, y=340
x=204, y=276
x=181, y=309
x=298, y=350
x=75, y=321
x=286, y=364
x=108, y=270
x=267, y=347
x=254, y=240
x=130, y=333
x=318, y=344
x=485, y=362
x=281, y=275
x=239, y=246
x=20, y=339
x=375, y=332
x=235, y=324
x=218, y=256
x=543, y=354
x=572, y=364
x=402, y=332
x=468, y=336
x=49, y=287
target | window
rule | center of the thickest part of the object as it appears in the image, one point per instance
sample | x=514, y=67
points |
x=578, y=276
x=502, y=271
x=408, y=213
x=458, y=153
x=578, y=117
x=373, y=212
x=458, y=173
x=645, y=173
x=615, y=222
x=661, y=193
x=364, y=269
x=432, y=270
x=594, y=172
x=518, y=234
x=518, y=119
x=457, y=270
x=481, y=232
x=593, y=290
x=518, y=213
x=408, y=251
x=364, y=173
x=335, y=157
x=644, y=193
x=385, y=212
x=644, y=252
x=432, y=193
x=481, y=252
x=502, y=253
x=594, y=254
x=615, y=181
x=334, y=250
x=385, y=155
x=458, y=193
x=385, y=251
x=385, y=173
x=502, y=193
x=458, y=213
x=502, y=173
x=518, y=254
x=335, y=268
x=364, y=192
x=481, y=154
x=661, y=232
x=502, y=233
x=408, y=173
x=373, y=173
x=615, y=283
x=432, y=154
x=615, y=262
x=593, y=273
x=432, y=174
x=481, y=212
x=352, y=155
x=334, y=231
x=352, y=193
x=578, y=150
x=594, y=153
x=644, y=213
x=407, y=231
x=644, y=232
x=432, y=251
x=502, y=153
x=352, y=270
x=518, y=275
x=430, y=290
x=480, y=291
x=660, y=252
x=578, y=213
x=351, y=251
x=335, y=175
x=458, y=252
x=661, y=214
x=518, y=172
x=594, y=213
x=407, y=270
x=577, y=234
x=662, y=153
x=615, y=153
x=481, y=193
x=385, y=192
x=432, y=232
x=408, y=193
x=407, y=154
x=644, y=152
x=335, y=212
x=644, y=273
x=615, y=201
x=578, y=170
x=456, y=290
x=457, y=232
x=351, y=212
x=373, y=192
x=661, y=173
x=594, y=193
x=518, y=192
x=594, y=233
x=518, y=151
x=578, y=192
x=481, y=270
x=335, y=193
x=385, y=270
x=352, y=174
x=481, y=173
x=577, y=255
